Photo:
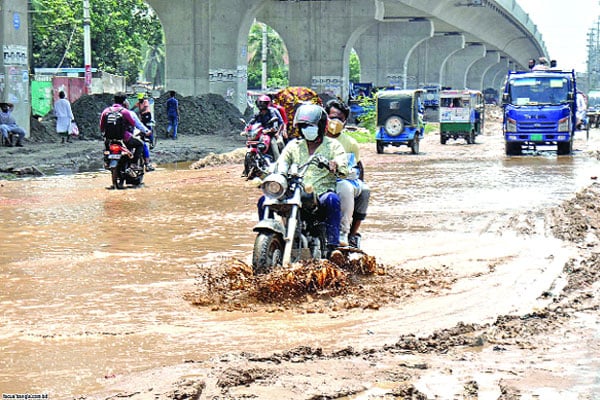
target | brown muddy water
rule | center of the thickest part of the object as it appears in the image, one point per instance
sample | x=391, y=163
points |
x=93, y=279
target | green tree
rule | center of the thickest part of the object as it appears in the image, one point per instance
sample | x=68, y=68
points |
x=277, y=70
x=354, y=67
x=119, y=30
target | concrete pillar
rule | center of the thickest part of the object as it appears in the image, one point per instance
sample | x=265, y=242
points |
x=426, y=60
x=319, y=52
x=500, y=68
x=206, y=43
x=383, y=49
x=454, y=70
x=14, y=66
x=477, y=71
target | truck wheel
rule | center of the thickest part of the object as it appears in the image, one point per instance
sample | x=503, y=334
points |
x=443, y=139
x=379, y=147
x=512, y=149
x=414, y=145
x=564, y=148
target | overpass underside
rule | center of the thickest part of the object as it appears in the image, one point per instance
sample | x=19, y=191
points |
x=402, y=43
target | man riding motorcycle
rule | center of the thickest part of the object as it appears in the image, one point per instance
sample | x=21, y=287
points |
x=311, y=120
x=265, y=116
x=127, y=135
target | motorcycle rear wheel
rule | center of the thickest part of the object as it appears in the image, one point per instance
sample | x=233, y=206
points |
x=116, y=180
x=268, y=252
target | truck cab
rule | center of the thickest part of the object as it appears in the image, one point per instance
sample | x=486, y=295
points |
x=539, y=110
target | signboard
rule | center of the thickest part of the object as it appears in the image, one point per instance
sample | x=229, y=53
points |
x=455, y=114
x=16, y=21
x=88, y=75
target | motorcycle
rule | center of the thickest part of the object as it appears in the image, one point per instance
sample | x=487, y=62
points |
x=258, y=142
x=292, y=227
x=118, y=160
x=152, y=140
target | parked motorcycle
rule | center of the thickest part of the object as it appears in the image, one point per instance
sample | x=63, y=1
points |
x=258, y=142
x=292, y=226
x=118, y=160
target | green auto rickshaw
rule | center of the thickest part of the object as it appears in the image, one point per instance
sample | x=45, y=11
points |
x=462, y=114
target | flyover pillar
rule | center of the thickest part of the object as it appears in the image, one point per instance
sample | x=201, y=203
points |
x=14, y=65
x=426, y=61
x=501, y=68
x=477, y=71
x=206, y=42
x=319, y=55
x=454, y=70
x=384, y=48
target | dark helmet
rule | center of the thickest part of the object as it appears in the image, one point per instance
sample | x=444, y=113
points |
x=263, y=102
x=311, y=115
x=120, y=97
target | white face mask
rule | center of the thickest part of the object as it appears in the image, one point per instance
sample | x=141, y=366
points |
x=310, y=132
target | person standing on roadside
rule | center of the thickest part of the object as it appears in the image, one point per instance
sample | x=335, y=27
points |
x=64, y=117
x=172, y=115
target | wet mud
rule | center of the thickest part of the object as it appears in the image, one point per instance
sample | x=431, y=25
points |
x=479, y=281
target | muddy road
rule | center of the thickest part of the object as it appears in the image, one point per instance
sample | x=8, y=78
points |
x=478, y=298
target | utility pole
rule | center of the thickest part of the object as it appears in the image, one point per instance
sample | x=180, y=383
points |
x=264, y=56
x=87, y=46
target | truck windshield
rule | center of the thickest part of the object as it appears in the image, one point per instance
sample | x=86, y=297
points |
x=539, y=90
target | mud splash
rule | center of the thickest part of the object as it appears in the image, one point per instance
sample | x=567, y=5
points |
x=351, y=279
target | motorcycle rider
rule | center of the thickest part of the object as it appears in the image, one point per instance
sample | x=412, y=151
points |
x=141, y=127
x=130, y=141
x=353, y=191
x=143, y=110
x=311, y=120
x=265, y=116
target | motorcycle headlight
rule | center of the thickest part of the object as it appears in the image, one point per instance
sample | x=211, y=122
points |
x=394, y=125
x=274, y=186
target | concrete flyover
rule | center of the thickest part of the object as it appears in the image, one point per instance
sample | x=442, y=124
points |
x=405, y=43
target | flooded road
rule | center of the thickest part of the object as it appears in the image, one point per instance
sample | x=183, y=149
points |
x=93, y=279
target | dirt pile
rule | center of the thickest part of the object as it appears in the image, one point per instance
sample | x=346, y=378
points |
x=208, y=114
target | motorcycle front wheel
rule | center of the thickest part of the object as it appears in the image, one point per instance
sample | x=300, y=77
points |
x=268, y=252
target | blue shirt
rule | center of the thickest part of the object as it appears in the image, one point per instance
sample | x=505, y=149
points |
x=172, y=106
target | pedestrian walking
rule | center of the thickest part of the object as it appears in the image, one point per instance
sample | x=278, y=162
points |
x=64, y=117
x=172, y=115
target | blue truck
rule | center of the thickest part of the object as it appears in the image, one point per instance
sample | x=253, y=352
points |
x=539, y=110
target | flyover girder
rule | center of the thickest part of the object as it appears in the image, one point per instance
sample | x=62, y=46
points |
x=206, y=40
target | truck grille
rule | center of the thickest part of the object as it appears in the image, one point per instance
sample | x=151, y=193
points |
x=536, y=126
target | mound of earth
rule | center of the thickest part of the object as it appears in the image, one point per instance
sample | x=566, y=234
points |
x=208, y=114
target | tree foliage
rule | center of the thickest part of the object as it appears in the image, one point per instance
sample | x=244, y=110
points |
x=277, y=70
x=121, y=32
x=354, y=67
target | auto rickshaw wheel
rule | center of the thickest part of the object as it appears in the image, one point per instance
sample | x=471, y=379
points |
x=379, y=147
x=414, y=146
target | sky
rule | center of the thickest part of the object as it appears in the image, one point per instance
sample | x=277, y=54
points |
x=564, y=26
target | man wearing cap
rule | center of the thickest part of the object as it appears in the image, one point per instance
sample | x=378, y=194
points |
x=8, y=125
